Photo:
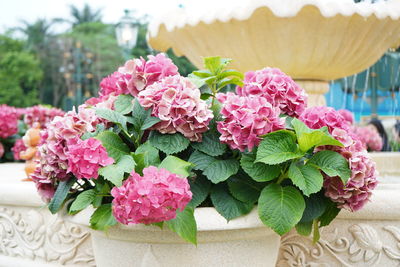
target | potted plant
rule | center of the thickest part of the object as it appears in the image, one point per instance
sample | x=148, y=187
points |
x=158, y=153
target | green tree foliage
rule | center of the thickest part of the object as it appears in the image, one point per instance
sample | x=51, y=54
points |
x=20, y=74
x=85, y=15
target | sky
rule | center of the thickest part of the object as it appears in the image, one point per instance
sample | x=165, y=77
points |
x=12, y=11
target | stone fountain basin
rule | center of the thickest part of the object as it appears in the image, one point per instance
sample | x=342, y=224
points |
x=307, y=39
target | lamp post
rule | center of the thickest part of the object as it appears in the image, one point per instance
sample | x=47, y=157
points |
x=127, y=32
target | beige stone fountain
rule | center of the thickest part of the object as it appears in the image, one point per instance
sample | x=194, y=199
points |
x=314, y=41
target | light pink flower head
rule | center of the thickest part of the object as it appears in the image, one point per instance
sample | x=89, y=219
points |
x=18, y=147
x=115, y=83
x=176, y=102
x=347, y=115
x=86, y=157
x=41, y=114
x=317, y=117
x=45, y=187
x=369, y=137
x=155, y=197
x=8, y=121
x=140, y=73
x=277, y=87
x=246, y=119
x=358, y=190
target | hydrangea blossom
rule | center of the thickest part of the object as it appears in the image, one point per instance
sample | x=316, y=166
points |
x=347, y=115
x=153, y=198
x=86, y=157
x=139, y=73
x=114, y=84
x=369, y=137
x=41, y=115
x=277, y=87
x=317, y=117
x=18, y=147
x=176, y=102
x=8, y=121
x=246, y=119
x=45, y=186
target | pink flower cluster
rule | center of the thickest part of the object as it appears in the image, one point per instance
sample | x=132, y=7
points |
x=369, y=137
x=277, y=87
x=347, y=115
x=86, y=157
x=8, y=121
x=246, y=119
x=114, y=84
x=317, y=117
x=18, y=147
x=41, y=114
x=176, y=102
x=153, y=198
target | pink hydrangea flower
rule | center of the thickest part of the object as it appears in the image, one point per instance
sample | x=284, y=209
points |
x=277, y=87
x=369, y=137
x=153, y=198
x=176, y=102
x=140, y=73
x=1, y=150
x=86, y=157
x=18, y=147
x=8, y=121
x=246, y=119
x=317, y=117
x=45, y=187
x=347, y=115
x=41, y=114
x=115, y=83
x=358, y=190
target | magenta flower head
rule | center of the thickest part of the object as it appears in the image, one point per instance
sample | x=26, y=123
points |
x=176, y=102
x=155, y=197
x=369, y=137
x=246, y=119
x=347, y=115
x=317, y=117
x=86, y=157
x=18, y=147
x=41, y=114
x=45, y=187
x=8, y=121
x=277, y=87
x=140, y=73
x=114, y=84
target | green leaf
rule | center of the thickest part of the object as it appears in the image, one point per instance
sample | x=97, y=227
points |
x=149, y=122
x=112, y=116
x=306, y=177
x=141, y=118
x=210, y=144
x=200, y=187
x=151, y=154
x=102, y=218
x=196, y=80
x=202, y=73
x=228, y=206
x=231, y=73
x=103, y=189
x=280, y=208
x=304, y=228
x=216, y=170
x=124, y=104
x=278, y=147
x=216, y=64
x=224, y=82
x=99, y=128
x=184, y=225
x=331, y=163
x=114, y=145
x=243, y=188
x=169, y=143
x=330, y=213
x=60, y=195
x=308, y=138
x=83, y=200
x=176, y=165
x=115, y=172
x=260, y=172
x=316, y=205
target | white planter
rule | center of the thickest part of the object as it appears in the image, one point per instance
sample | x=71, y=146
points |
x=244, y=241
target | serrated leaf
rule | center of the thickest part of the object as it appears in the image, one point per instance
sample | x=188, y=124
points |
x=231, y=73
x=216, y=64
x=124, y=104
x=224, y=82
x=168, y=143
x=115, y=172
x=112, y=116
x=141, y=118
x=200, y=160
x=102, y=218
x=316, y=205
x=83, y=200
x=60, y=195
x=200, y=188
x=260, y=172
x=330, y=213
x=278, y=147
x=149, y=122
x=280, y=208
x=244, y=189
x=114, y=145
x=150, y=153
x=202, y=73
x=331, y=163
x=306, y=177
x=184, y=225
x=226, y=205
x=210, y=144
x=176, y=165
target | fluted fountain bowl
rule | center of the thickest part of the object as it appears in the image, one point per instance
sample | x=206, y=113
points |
x=314, y=40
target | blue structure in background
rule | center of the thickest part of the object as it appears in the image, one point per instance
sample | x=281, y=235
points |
x=373, y=92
